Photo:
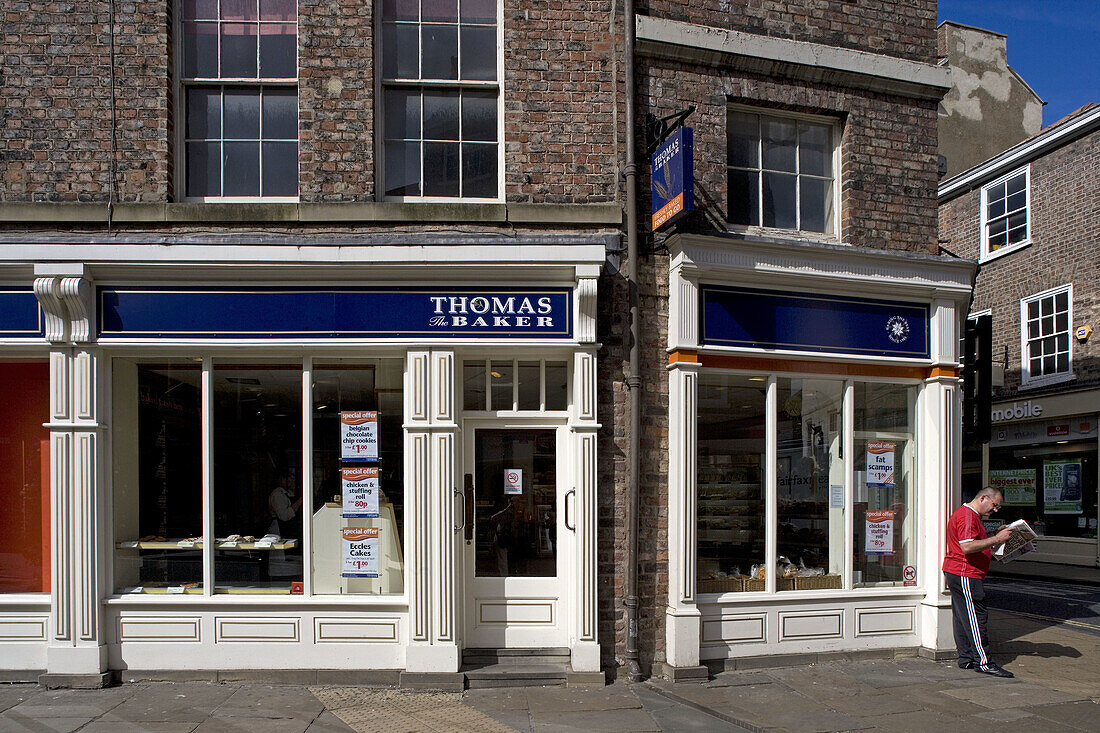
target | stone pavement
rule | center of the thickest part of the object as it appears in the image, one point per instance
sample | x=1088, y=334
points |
x=1057, y=689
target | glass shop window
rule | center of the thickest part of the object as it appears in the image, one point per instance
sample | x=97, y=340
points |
x=810, y=484
x=515, y=385
x=157, y=423
x=257, y=478
x=1051, y=485
x=358, y=483
x=25, y=478
x=884, y=506
x=730, y=494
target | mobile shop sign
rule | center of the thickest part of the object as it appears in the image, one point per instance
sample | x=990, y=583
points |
x=360, y=552
x=879, y=538
x=360, y=491
x=359, y=435
x=880, y=463
x=673, y=180
x=304, y=312
x=1017, y=485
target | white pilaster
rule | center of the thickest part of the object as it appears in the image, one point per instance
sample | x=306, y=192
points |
x=683, y=311
x=585, y=648
x=682, y=623
x=430, y=439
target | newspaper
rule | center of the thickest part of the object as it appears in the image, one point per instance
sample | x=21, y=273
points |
x=1020, y=542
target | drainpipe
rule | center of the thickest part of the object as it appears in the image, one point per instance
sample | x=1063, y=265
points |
x=633, y=378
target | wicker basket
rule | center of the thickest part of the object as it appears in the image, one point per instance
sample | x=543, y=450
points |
x=719, y=585
x=784, y=583
x=753, y=585
x=817, y=582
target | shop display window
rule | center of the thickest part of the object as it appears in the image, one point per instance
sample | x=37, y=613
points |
x=257, y=478
x=884, y=507
x=25, y=480
x=211, y=486
x=354, y=486
x=1052, y=485
x=730, y=490
x=810, y=484
x=158, y=488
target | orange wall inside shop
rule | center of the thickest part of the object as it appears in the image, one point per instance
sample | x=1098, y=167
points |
x=24, y=478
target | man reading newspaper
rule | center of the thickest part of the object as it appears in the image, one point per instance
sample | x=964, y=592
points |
x=967, y=561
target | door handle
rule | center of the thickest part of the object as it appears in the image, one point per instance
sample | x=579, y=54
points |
x=468, y=507
x=461, y=495
x=567, y=493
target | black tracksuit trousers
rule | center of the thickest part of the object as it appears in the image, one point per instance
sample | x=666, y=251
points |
x=969, y=615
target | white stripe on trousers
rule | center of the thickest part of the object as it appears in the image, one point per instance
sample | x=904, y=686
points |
x=976, y=632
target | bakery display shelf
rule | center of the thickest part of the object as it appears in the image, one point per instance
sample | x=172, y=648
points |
x=197, y=545
x=190, y=589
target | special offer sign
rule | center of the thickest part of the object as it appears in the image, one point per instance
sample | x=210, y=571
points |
x=880, y=533
x=359, y=435
x=880, y=464
x=360, y=552
x=360, y=485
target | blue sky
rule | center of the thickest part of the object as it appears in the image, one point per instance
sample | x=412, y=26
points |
x=1053, y=44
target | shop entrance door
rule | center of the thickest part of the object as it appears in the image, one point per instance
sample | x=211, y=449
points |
x=511, y=543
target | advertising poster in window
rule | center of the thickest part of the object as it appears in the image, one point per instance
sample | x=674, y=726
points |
x=880, y=533
x=1062, y=486
x=360, y=552
x=1018, y=485
x=360, y=491
x=880, y=463
x=359, y=435
x=513, y=481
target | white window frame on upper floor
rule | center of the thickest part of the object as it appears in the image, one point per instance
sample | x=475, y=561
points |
x=986, y=254
x=181, y=84
x=380, y=86
x=1026, y=377
x=835, y=134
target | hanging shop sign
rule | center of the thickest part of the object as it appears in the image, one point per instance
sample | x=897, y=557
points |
x=359, y=435
x=360, y=491
x=673, y=179
x=764, y=319
x=879, y=537
x=1062, y=486
x=360, y=552
x=269, y=313
x=20, y=314
x=1017, y=485
x=880, y=463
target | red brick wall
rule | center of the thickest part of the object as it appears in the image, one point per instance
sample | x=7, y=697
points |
x=1065, y=248
x=903, y=28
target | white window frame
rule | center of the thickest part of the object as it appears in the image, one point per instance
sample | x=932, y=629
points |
x=380, y=86
x=986, y=255
x=1026, y=378
x=835, y=132
x=181, y=84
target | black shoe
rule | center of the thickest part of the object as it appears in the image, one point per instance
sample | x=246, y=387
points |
x=966, y=664
x=994, y=670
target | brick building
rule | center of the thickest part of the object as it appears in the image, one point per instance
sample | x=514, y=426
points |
x=1029, y=216
x=325, y=308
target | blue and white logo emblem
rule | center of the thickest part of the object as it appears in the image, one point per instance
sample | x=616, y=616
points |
x=897, y=328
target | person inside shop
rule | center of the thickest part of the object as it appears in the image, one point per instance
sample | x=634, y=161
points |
x=283, y=504
x=969, y=550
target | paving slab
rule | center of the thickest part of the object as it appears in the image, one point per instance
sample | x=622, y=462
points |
x=873, y=706
x=73, y=703
x=616, y=696
x=1007, y=715
x=173, y=702
x=930, y=697
x=500, y=698
x=118, y=726
x=519, y=720
x=12, y=695
x=925, y=721
x=612, y=721
x=1013, y=694
x=740, y=679
x=822, y=682
x=11, y=722
x=670, y=715
x=1079, y=715
x=215, y=724
x=271, y=701
x=881, y=674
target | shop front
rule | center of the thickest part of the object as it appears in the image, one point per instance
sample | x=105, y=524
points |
x=814, y=449
x=1042, y=456
x=287, y=462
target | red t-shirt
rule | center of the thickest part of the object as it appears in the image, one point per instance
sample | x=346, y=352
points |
x=966, y=524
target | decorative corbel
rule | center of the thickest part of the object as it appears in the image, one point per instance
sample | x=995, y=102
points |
x=586, y=309
x=77, y=294
x=48, y=292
